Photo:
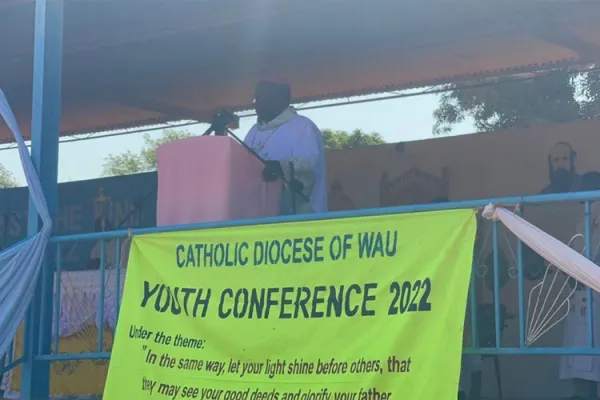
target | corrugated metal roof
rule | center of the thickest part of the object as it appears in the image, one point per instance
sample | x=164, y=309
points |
x=135, y=62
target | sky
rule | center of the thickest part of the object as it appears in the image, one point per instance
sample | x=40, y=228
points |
x=398, y=120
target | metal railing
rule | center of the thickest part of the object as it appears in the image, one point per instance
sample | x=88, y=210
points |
x=119, y=237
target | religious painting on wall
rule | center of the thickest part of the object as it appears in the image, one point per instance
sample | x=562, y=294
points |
x=562, y=169
x=412, y=187
x=542, y=159
x=547, y=159
x=84, y=207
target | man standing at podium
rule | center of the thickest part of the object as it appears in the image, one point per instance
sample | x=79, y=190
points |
x=293, y=147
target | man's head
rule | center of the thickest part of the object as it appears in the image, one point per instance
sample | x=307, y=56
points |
x=271, y=98
x=561, y=164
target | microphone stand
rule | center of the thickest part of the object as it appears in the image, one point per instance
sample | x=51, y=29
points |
x=293, y=177
x=219, y=127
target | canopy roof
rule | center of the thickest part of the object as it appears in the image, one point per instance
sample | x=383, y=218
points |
x=137, y=62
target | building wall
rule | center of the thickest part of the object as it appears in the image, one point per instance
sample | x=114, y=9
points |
x=496, y=164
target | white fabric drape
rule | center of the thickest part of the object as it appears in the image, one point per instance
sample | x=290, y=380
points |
x=553, y=250
x=20, y=264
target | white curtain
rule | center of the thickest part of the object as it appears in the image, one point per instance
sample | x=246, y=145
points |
x=20, y=264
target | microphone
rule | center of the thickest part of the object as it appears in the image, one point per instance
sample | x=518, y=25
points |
x=219, y=123
x=273, y=169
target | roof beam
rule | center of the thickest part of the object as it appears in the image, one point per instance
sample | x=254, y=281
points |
x=588, y=52
x=170, y=111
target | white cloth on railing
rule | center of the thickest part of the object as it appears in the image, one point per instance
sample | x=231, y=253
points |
x=551, y=249
x=20, y=264
x=574, y=264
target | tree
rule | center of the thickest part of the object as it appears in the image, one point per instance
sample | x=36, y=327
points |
x=7, y=179
x=134, y=163
x=128, y=163
x=344, y=140
x=554, y=97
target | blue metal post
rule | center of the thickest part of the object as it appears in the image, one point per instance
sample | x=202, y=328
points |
x=521, y=289
x=497, y=316
x=588, y=254
x=474, y=304
x=45, y=130
x=102, y=296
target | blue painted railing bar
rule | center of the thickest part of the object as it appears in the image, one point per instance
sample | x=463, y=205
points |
x=588, y=254
x=11, y=365
x=532, y=351
x=497, y=315
x=117, y=279
x=47, y=293
x=521, y=288
x=100, y=322
x=11, y=351
x=473, y=348
x=45, y=131
x=473, y=307
x=509, y=351
x=58, y=285
x=537, y=199
x=73, y=356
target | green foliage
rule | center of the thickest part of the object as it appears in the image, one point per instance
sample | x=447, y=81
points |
x=128, y=163
x=7, y=179
x=555, y=97
x=344, y=140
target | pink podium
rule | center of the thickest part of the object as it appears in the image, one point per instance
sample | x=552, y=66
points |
x=211, y=178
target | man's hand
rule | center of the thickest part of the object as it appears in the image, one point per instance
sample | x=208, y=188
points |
x=272, y=171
